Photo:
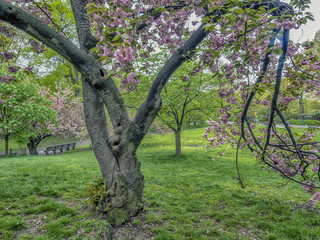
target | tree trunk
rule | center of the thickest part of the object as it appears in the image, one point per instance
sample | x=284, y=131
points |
x=117, y=160
x=301, y=107
x=117, y=156
x=6, y=151
x=126, y=189
x=177, y=134
x=33, y=144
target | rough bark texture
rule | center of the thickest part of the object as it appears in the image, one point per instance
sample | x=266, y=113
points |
x=117, y=159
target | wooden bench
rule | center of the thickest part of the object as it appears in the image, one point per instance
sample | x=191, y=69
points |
x=60, y=148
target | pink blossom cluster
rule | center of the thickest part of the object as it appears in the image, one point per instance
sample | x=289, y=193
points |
x=160, y=128
x=69, y=111
x=43, y=14
x=124, y=55
x=124, y=44
x=38, y=47
x=225, y=134
x=131, y=82
x=7, y=31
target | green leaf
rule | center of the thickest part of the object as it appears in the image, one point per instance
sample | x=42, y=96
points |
x=278, y=51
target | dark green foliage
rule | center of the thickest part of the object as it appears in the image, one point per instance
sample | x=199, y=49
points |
x=96, y=191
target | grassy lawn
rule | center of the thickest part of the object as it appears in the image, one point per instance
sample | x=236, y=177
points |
x=192, y=196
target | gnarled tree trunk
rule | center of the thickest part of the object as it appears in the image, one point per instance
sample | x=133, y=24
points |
x=32, y=147
x=117, y=159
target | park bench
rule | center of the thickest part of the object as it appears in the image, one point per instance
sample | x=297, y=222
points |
x=60, y=148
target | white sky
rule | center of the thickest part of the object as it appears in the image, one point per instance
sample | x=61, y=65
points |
x=308, y=31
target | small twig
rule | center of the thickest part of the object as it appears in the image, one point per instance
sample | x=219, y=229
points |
x=56, y=25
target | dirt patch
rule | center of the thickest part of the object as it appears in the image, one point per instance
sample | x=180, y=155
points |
x=71, y=203
x=135, y=229
x=34, y=226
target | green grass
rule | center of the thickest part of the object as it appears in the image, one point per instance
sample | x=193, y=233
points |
x=192, y=196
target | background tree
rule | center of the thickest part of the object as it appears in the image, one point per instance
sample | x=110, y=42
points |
x=68, y=121
x=21, y=110
x=185, y=94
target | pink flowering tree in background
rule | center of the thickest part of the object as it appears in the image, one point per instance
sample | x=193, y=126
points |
x=68, y=121
x=117, y=39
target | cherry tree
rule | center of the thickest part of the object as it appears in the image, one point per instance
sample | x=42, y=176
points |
x=258, y=81
x=68, y=121
x=115, y=41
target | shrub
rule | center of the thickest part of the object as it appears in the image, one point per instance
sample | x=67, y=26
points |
x=308, y=122
x=96, y=192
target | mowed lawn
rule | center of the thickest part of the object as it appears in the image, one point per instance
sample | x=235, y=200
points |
x=192, y=196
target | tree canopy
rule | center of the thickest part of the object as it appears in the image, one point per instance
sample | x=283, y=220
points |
x=24, y=112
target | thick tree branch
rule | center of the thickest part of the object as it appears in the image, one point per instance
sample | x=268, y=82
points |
x=106, y=88
x=148, y=110
x=42, y=32
x=93, y=106
x=86, y=40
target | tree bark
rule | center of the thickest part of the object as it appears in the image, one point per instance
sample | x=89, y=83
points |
x=117, y=159
x=177, y=134
x=116, y=156
x=32, y=148
x=6, y=139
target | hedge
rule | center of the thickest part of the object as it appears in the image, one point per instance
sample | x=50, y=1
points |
x=308, y=122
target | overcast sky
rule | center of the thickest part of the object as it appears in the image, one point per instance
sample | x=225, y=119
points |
x=310, y=29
